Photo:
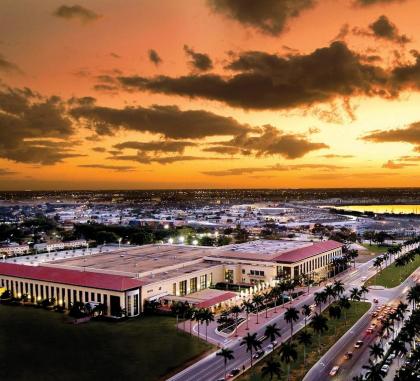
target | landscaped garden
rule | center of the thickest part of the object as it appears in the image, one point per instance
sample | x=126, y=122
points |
x=36, y=344
x=394, y=274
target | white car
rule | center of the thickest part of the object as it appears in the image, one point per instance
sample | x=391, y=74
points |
x=334, y=370
x=385, y=369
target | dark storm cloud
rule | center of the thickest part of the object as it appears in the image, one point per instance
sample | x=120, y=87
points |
x=117, y=168
x=269, y=142
x=198, y=61
x=154, y=57
x=156, y=146
x=76, y=12
x=267, y=16
x=169, y=121
x=366, y=3
x=7, y=66
x=274, y=168
x=410, y=134
x=384, y=28
x=28, y=122
x=268, y=81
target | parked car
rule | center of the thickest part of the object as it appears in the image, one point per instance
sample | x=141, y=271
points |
x=234, y=372
x=385, y=368
x=258, y=354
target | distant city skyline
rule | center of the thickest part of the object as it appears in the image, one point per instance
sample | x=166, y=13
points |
x=209, y=94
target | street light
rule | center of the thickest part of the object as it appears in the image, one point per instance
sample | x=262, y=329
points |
x=181, y=239
x=195, y=242
x=171, y=241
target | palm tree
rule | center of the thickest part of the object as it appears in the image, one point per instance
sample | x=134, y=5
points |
x=319, y=325
x=338, y=287
x=319, y=298
x=398, y=346
x=271, y=368
x=376, y=351
x=344, y=304
x=355, y=294
x=400, y=262
x=274, y=294
x=207, y=316
x=335, y=313
x=288, y=354
x=374, y=371
x=304, y=338
x=176, y=309
x=236, y=310
x=258, y=301
x=363, y=291
x=272, y=332
x=291, y=315
x=248, y=307
x=267, y=297
x=227, y=354
x=306, y=312
x=251, y=343
x=198, y=318
x=413, y=295
x=329, y=291
x=189, y=315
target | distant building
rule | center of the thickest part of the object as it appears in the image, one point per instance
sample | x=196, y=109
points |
x=14, y=249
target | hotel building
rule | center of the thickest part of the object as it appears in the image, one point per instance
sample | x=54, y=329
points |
x=128, y=277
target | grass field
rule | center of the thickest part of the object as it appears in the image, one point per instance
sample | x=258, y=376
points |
x=376, y=249
x=39, y=345
x=392, y=276
x=336, y=329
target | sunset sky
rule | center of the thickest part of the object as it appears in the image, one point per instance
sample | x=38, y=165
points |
x=136, y=94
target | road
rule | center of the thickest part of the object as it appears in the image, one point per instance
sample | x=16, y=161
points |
x=335, y=356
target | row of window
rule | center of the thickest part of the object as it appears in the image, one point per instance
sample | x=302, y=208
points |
x=62, y=296
x=182, y=285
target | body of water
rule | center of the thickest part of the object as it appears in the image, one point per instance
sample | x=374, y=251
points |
x=396, y=209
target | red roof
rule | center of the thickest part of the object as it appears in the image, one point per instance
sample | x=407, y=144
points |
x=217, y=299
x=305, y=252
x=71, y=277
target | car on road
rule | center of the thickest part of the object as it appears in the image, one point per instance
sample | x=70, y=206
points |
x=369, y=331
x=258, y=354
x=334, y=370
x=234, y=372
x=375, y=300
x=358, y=344
x=348, y=355
x=271, y=346
x=385, y=368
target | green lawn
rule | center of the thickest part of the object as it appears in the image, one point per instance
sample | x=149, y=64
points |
x=40, y=345
x=376, y=249
x=336, y=329
x=392, y=276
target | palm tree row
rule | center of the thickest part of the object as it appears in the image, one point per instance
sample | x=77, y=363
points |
x=406, y=336
x=200, y=315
